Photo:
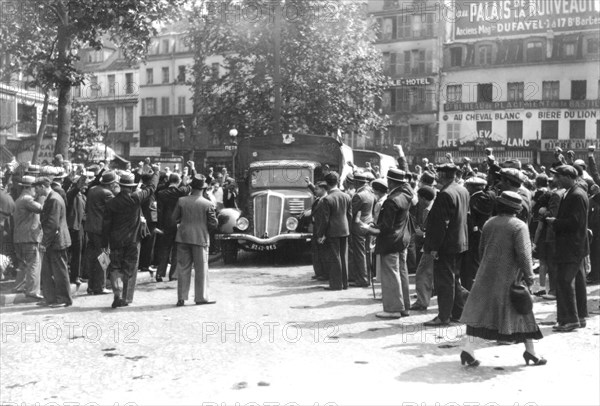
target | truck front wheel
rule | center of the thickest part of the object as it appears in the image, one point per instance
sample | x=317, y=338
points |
x=230, y=251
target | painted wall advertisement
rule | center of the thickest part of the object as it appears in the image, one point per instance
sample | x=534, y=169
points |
x=495, y=18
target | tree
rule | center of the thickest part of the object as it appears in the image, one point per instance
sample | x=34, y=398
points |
x=43, y=38
x=84, y=131
x=331, y=74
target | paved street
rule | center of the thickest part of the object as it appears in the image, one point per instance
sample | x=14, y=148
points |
x=275, y=337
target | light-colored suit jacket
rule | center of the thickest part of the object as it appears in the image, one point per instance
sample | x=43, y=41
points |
x=28, y=227
x=196, y=218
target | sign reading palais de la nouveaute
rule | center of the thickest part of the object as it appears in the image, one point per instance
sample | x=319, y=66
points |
x=495, y=18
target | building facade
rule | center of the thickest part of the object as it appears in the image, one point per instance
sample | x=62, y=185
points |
x=111, y=91
x=409, y=37
x=521, y=78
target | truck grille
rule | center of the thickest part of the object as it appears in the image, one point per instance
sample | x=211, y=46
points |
x=268, y=214
x=296, y=206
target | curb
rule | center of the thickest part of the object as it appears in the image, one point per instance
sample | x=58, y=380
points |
x=8, y=299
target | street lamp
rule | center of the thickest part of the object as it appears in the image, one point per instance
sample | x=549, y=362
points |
x=233, y=147
x=181, y=132
x=105, y=127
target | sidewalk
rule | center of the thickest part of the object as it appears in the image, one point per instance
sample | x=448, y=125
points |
x=9, y=298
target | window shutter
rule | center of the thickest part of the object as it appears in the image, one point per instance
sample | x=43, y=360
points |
x=422, y=63
x=406, y=62
x=143, y=107
x=379, y=22
x=393, y=63
x=395, y=29
x=393, y=100
x=429, y=61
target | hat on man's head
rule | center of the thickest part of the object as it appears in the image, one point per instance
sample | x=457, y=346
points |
x=43, y=181
x=580, y=162
x=510, y=200
x=426, y=192
x=360, y=177
x=476, y=181
x=350, y=177
x=322, y=184
x=379, y=185
x=512, y=163
x=27, y=180
x=199, y=182
x=33, y=169
x=369, y=175
x=127, y=180
x=332, y=178
x=60, y=174
x=108, y=177
x=564, y=170
x=428, y=178
x=447, y=168
x=396, y=175
x=512, y=174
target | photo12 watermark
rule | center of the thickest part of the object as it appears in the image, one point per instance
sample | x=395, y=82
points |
x=54, y=332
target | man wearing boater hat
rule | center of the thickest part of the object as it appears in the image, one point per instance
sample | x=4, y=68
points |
x=393, y=233
x=362, y=205
x=446, y=239
x=121, y=232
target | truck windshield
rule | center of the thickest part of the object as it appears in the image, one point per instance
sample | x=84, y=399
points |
x=280, y=177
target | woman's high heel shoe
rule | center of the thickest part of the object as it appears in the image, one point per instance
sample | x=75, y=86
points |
x=536, y=361
x=466, y=358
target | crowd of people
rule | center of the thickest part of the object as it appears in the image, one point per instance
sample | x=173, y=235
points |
x=471, y=236
x=63, y=224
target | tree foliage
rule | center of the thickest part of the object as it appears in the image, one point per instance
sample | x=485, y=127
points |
x=84, y=131
x=44, y=37
x=331, y=74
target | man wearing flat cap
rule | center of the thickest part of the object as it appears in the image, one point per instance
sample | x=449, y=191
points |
x=362, y=211
x=446, y=239
x=197, y=219
x=570, y=226
x=121, y=232
x=56, y=287
x=394, y=230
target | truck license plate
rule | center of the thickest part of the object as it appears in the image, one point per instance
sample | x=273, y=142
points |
x=259, y=247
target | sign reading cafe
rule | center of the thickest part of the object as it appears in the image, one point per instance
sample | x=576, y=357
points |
x=477, y=18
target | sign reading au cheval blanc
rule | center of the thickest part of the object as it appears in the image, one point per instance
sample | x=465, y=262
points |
x=518, y=115
x=493, y=18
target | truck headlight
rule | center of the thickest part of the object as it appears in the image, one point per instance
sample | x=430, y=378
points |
x=291, y=223
x=242, y=223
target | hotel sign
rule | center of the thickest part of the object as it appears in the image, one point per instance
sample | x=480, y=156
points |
x=524, y=104
x=424, y=81
x=495, y=18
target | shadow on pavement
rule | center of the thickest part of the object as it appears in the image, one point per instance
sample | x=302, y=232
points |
x=455, y=373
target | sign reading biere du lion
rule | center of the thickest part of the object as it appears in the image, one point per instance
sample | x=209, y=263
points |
x=494, y=18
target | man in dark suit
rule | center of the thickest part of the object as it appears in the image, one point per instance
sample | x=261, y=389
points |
x=362, y=205
x=446, y=239
x=56, y=288
x=570, y=226
x=334, y=231
x=197, y=219
x=316, y=215
x=97, y=197
x=121, y=231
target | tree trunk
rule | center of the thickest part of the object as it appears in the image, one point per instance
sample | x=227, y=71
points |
x=42, y=129
x=63, y=46
x=277, y=70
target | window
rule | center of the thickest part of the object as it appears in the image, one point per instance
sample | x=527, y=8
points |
x=111, y=116
x=165, y=46
x=94, y=87
x=149, y=76
x=456, y=56
x=484, y=129
x=129, y=117
x=515, y=91
x=214, y=70
x=418, y=134
x=430, y=25
x=593, y=45
x=77, y=91
x=569, y=49
x=551, y=90
x=549, y=129
x=386, y=63
x=386, y=101
x=417, y=25
x=181, y=74
x=453, y=131
x=485, y=92
x=129, y=83
x=514, y=129
x=577, y=129
x=454, y=93
x=165, y=74
x=404, y=23
x=578, y=89
x=388, y=28
x=181, y=105
x=164, y=106
x=485, y=55
x=150, y=106
x=111, y=85
x=535, y=51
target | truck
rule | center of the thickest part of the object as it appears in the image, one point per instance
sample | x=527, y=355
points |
x=273, y=193
x=385, y=162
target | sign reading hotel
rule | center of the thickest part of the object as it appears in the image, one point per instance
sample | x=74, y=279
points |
x=495, y=18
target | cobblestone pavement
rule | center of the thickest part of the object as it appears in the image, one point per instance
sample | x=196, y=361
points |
x=276, y=337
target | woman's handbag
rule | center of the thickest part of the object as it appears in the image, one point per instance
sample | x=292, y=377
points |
x=520, y=297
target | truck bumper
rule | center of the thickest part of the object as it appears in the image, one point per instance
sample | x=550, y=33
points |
x=264, y=241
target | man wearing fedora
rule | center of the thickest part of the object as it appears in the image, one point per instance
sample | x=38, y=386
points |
x=197, y=219
x=446, y=239
x=121, y=232
x=56, y=240
x=362, y=205
x=394, y=231
x=76, y=201
x=570, y=226
x=97, y=197
x=27, y=236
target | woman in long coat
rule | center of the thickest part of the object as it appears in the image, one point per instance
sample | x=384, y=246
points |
x=505, y=251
